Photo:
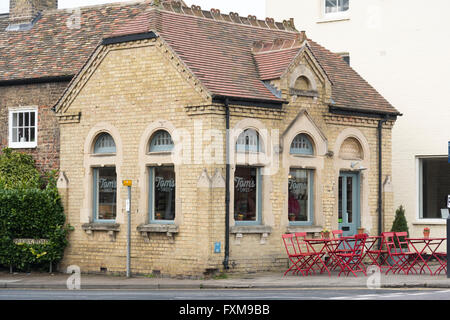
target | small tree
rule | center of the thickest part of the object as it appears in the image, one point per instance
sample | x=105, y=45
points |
x=400, y=224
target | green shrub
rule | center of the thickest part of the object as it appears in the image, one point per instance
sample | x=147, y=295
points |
x=28, y=210
x=31, y=214
x=400, y=224
x=18, y=171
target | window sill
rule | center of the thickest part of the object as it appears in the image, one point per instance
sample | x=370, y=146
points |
x=239, y=231
x=111, y=228
x=335, y=18
x=302, y=228
x=168, y=229
x=438, y=221
x=103, y=154
x=23, y=146
x=159, y=153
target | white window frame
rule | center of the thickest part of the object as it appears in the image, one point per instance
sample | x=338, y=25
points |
x=333, y=16
x=419, y=190
x=23, y=145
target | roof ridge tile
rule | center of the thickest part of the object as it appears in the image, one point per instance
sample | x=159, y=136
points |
x=232, y=17
x=279, y=44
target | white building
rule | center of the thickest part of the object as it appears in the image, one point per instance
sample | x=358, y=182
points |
x=402, y=48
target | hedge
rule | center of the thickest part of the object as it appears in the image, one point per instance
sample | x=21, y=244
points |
x=31, y=214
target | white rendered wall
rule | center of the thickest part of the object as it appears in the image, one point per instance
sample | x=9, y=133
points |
x=402, y=48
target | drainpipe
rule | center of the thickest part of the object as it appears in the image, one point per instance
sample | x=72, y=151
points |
x=227, y=187
x=380, y=175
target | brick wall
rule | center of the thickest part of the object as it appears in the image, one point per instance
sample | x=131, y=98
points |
x=43, y=96
x=150, y=90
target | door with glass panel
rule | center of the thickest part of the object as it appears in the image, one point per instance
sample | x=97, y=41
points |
x=349, y=208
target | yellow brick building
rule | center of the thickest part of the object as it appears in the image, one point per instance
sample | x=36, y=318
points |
x=233, y=131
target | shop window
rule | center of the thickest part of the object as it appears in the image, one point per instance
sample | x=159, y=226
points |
x=105, y=194
x=302, y=145
x=249, y=140
x=162, y=194
x=104, y=144
x=23, y=128
x=247, y=195
x=300, y=207
x=161, y=141
x=434, y=187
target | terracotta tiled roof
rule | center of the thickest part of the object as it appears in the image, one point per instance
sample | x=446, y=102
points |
x=349, y=89
x=55, y=46
x=227, y=53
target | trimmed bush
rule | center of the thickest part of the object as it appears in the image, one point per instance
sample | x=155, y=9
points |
x=28, y=210
x=18, y=171
x=31, y=214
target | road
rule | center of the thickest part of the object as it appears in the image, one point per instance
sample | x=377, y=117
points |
x=241, y=294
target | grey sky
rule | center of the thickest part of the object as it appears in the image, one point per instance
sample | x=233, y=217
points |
x=243, y=7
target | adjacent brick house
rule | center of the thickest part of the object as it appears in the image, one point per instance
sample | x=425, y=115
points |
x=233, y=130
x=41, y=48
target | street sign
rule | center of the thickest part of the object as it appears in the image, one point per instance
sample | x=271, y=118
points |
x=127, y=183
x=217, y=247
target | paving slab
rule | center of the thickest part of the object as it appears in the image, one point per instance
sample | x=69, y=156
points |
x=232, y=281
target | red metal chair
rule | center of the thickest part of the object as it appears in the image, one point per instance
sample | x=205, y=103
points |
x=298, y=253
x=352, y=261
x=400, y=253
x=441, y=257
x=309, y=257
x=291, y=250
x=340, y=247
x=377, y=251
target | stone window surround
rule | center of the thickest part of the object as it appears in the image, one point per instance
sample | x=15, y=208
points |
x=23, y=145
x=303, y=124
x=148, y=159
x=254, y=159
x=354, y=165
x=91, y=161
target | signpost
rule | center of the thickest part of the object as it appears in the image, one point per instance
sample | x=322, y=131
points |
x=128, y=183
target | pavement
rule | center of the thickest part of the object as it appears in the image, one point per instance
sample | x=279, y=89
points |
x=271, y=280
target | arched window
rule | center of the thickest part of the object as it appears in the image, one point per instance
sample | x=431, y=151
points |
x=249, y=140
x=161, y=141
x=104, y=144
x=302, y=145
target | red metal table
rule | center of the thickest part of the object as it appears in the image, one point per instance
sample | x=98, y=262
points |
x=330, y=247
x=326, y=246
x=432, y=244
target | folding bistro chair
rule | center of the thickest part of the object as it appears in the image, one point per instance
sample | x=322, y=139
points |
x=291, y=250
x=352, y=261
x=309, y=257
x=339, y=246
x=377, y=251
x=301, y=261
x=441, y=257
x=400, y=254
